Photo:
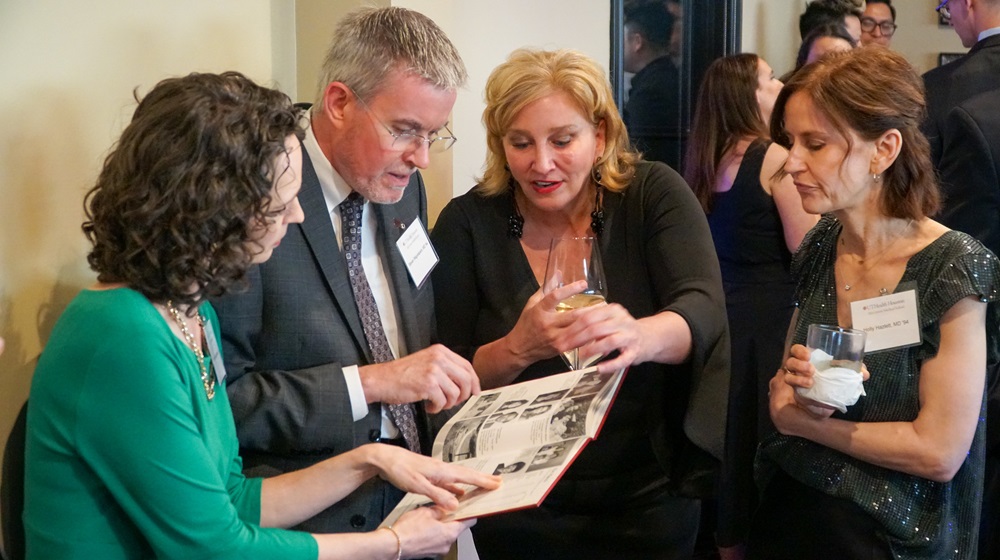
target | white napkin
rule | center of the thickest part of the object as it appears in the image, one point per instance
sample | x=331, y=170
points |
x=838, y=387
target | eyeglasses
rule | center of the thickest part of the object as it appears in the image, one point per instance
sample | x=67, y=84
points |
x=886, y=27
x=943, y=9
x=404, y=141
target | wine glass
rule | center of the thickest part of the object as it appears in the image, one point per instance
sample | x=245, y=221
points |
x=572, y=259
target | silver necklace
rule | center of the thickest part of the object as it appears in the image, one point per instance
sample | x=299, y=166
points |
x=865, y=270
x=207, y=380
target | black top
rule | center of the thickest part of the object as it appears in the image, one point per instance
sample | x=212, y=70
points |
x=658, y=255
x=746, y=226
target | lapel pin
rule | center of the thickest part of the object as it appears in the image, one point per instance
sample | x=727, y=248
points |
x=399, y=225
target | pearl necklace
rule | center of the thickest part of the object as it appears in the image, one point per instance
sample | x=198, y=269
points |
x=207, y=380
x=864, y=271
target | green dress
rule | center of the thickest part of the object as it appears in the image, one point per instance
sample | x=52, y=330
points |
x=126, y=456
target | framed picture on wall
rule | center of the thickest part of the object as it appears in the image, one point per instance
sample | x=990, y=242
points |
x=946, y=57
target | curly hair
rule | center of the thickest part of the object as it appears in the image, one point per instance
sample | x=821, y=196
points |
x=727, y=111
x=177, y=203
x=870, y=91
x=529, y=75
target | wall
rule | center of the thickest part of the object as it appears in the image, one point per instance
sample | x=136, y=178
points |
x=69, y=70
x=475, y=28
x=919, y=37
x=771, y=29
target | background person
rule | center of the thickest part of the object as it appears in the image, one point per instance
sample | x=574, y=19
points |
x=131, y=447
x=878, y=23
x=970, y=169
x=324, y=357
x=652, y=112
x=757, y=222
x=821, y=41
x=559, y=165
x=977, y=23
x=821, y=12
x=960, y=100
x=900, y=473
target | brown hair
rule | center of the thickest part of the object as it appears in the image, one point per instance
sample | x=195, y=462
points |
x=181, y=194
x=871, y=91
x=727, y=111
x=529, y=75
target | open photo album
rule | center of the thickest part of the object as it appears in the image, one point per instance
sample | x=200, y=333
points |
x=528, y=433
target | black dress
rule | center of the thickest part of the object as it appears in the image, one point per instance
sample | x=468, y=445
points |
x=749, y=239
x=628, y=493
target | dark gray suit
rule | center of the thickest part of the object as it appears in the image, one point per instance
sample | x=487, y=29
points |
x=970, y=169
x=951, y=84
x=970, y=177
x=285, y=341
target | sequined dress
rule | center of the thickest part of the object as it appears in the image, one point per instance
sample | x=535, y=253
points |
x=921, y=518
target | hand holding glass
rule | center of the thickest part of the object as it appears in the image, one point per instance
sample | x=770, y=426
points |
x=572, y=259
x=837, y=354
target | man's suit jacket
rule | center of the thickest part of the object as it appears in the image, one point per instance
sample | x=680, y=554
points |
x=970, y=169
x=951, y=84
x=970, y=177
x=285, y=340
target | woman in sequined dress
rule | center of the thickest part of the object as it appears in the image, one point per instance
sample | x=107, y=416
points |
x=899, y=475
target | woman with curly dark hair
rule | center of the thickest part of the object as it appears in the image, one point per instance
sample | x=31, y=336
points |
x=131, y=447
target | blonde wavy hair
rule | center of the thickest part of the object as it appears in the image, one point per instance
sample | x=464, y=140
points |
x=529, y=75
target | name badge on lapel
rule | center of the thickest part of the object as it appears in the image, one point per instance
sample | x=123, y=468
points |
x=417, y=252
x=890, y=321
x=213, y=351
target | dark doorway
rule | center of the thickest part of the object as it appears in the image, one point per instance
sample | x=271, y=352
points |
x=669, y=44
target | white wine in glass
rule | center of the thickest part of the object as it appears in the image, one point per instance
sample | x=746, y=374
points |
x=572, y=259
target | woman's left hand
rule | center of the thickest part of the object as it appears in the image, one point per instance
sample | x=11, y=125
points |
x=785, y=409
x=611, y=327
x=663, y=338
x=430, y=477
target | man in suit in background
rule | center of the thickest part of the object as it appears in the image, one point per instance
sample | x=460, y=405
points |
x=652, y=113
x=977, y=23
x=970, y=169
x=330, y=347
x=962, y=119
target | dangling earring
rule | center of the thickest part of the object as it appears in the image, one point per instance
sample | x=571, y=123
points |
x=597, y=216
x=515, y=222
x=877, y=177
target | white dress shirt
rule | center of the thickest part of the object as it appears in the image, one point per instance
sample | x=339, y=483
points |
x=335, y=191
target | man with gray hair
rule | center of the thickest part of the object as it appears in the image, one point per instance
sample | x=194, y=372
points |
x=330, y=347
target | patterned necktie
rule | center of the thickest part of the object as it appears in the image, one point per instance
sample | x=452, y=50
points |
x=350, y=212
